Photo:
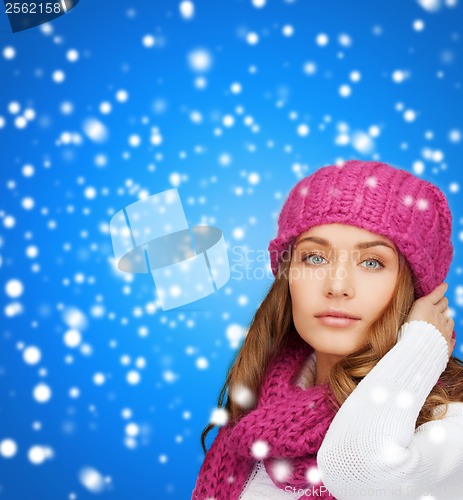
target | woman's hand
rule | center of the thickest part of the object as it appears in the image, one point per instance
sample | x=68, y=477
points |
x=434, y=308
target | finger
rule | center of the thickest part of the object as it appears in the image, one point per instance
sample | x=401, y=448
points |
x=437, y=293
x=442, y=304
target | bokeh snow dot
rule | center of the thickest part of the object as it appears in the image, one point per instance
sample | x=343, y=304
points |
x=345, y=40
x=134, y=140
x=27, y=203
x=32, y=355
x=99, y=378
x=379, y=395
x=14, y=107
x=303, y=130
x=202, y=363
x=72, y=55
x=29, y=114
x=72, y=338
x=132, y=429
x=8, y=448
x=374, y=131
x=9, y=221
x=148, y=41
x=252, y=38
x=404, y=399
x=105, y=107
x=38, y=454
x=418, y=167
x=20, y=122
x=362, y=142
x=238, y=233
x=95, y=130
x=42, y=393
x=345, y=90
x=259, y=449
x=322, y=39
x=235, y=333
x=430, y=5
x=156, y=139
x=74, y=392
x=409, y=115
x=242, y=396
x=74, y=318
x=122, y=95
x=91, y=479
x=219, y=416
x=310, y=68
x=28, y=170
x=288, y=30
x=398, y=76
x=9, y=52
x=313, y=475
x=438, y=433
x=90, y=193
x=66, y=108
x=187, y=9
x=235, y=88
x=133, y=377
x=58, y=76
x=254, y=178
x=454, y=136
x=228, y=121
x=281, y=470
x=14, y=288
x=200, y=60
x=418, y=25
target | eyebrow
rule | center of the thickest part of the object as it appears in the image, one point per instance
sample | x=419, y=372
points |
x=358, y=246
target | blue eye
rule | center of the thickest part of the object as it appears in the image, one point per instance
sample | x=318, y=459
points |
x=310, y=258
x=377, y=264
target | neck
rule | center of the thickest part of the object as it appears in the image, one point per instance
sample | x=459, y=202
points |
x=323, y=365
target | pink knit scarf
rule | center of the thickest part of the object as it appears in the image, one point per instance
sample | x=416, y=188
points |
x=292, y=422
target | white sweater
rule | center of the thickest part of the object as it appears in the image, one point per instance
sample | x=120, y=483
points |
x=371, y=448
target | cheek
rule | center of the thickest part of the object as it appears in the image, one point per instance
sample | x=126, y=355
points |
x=296, y=292
x=376, y=298
x=302, y=292
x=297, y=284
x=305, y=282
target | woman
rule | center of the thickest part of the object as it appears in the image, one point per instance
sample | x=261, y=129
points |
x=345, y=386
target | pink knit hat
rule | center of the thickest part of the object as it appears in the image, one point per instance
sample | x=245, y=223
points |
x=411, y=212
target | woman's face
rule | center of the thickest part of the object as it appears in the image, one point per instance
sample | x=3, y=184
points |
x=337, y=269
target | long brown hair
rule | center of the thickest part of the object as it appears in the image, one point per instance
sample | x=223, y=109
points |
x=272, y=326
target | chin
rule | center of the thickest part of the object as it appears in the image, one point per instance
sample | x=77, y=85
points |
x=334, y=349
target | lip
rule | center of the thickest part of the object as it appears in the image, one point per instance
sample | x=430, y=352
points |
x=336, y=313
x=336, y=321
x=334, y=317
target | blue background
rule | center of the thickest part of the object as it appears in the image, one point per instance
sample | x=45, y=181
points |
x=187, y=350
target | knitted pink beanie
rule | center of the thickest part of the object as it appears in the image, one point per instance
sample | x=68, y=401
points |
x=411, y=212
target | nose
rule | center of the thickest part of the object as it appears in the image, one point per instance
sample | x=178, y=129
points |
x=339, y=282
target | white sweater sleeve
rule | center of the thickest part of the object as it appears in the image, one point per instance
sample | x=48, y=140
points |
x=371, y=448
